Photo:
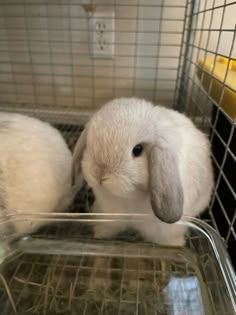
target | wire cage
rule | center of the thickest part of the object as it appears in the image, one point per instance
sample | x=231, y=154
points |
x=210, y=32
x=178, y=53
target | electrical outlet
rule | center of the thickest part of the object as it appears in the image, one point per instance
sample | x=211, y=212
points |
x=102, y=34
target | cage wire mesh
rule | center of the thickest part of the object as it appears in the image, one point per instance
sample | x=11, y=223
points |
x=210, y=32
x=47, y=69
x=46, y=53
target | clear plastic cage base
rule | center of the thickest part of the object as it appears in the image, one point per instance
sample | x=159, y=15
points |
x=62, y=269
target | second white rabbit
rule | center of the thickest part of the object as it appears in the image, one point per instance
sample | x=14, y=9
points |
x=35, y=169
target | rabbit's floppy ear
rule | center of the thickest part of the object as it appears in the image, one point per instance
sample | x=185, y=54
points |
x=78, y=155
x=166, y=191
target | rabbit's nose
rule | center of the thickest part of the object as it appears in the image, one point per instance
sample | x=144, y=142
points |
x=102, y=174
x=103, y=179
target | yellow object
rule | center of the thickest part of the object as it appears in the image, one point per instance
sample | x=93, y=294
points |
x=217, y=76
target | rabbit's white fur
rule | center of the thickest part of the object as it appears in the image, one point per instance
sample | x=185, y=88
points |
x=120, y=181
x=35, y=168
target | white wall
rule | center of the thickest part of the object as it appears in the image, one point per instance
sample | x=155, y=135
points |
x=45, y=57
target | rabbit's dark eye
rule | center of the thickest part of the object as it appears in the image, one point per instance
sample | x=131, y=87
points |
x=137, y=150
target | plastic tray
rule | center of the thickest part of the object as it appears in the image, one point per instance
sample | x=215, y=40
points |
x=62, y=269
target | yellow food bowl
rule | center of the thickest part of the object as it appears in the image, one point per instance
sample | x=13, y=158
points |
x=218, y=78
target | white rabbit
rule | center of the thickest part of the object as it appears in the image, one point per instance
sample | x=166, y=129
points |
x=35, y=169
x=145, y=159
